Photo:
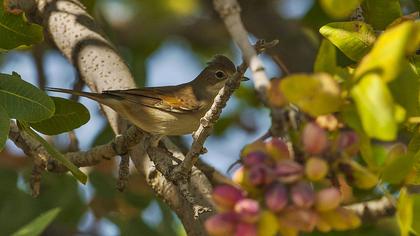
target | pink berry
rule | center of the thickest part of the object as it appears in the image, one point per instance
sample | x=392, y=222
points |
x=348, y=141
x=254, y=158
x=288, y=171
x=314, y=139
x=221, y=224
x=248, y=210
x=245, y=229
x=316, y=168
x=298, y=218
x=226, y=196
x=327, y=199
x=260, y=175
x=276, y=197
x=278, y=149
x=303, y=195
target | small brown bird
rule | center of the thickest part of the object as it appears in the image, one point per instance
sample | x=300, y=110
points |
x=167, y=110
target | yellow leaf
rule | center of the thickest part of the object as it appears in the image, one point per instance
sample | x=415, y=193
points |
x=316, y=94
x=405, y=212
x=388, y=54
x=376, y=107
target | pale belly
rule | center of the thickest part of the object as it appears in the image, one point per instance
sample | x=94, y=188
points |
x=161, y=122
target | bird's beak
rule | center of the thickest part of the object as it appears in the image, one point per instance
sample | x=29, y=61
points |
x=245, y=78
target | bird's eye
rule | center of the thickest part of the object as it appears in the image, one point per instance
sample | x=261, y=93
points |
x=220, y=74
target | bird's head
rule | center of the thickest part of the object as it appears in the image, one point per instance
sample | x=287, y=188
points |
x=215, y=75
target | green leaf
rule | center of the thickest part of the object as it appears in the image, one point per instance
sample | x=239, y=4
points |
x=375, y=107
x=405, y=90
x=366, y=150
x=353, y=38
x=39, y=224
x=55, y=153
x=4, y=127
x=351, y=118
x=68, y=116
x=379, y=154
x=16, y=31
x=414, y=148
x=414, y=144
x=387, y=57
x=415, y=63
x=362, y=177
x=398, y=164
x=24, y=101
x=405, y=212
x=316, y=94
x=326, y=61
x=416, y=213
x=339, y=8
x=380, y=13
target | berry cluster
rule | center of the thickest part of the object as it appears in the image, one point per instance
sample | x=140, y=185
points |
x=286, y=189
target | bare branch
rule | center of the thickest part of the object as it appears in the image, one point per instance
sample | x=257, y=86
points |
x=40, y=164
x=374, y=209
x=229, y=11
x=120, y=144
x=20, y=139
x=123, y=173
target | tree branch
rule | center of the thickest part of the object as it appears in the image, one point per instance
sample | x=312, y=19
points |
x=374, y=209
x=120, y=144
x=75, y=33
x=229, y=11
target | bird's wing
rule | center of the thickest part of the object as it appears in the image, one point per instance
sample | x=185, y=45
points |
x=172, y=99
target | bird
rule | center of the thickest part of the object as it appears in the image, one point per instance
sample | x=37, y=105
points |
x=167, y=110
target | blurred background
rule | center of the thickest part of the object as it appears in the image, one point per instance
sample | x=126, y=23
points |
x=164, y=42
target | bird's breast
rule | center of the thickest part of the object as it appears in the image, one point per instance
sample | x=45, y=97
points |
x=162, y=122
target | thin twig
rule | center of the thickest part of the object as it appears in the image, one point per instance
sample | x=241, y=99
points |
x=77, y=86
x=280, y=63
x=73, y=142
x=38, y=55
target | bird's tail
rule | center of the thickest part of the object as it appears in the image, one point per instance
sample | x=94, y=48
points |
x=94, y=96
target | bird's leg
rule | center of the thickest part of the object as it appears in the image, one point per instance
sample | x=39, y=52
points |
x=118, y=146
x=154, y=140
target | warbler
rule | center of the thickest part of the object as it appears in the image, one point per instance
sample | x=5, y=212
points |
x=167, y=110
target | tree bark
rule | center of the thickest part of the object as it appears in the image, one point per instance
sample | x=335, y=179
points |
x=76, y=35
